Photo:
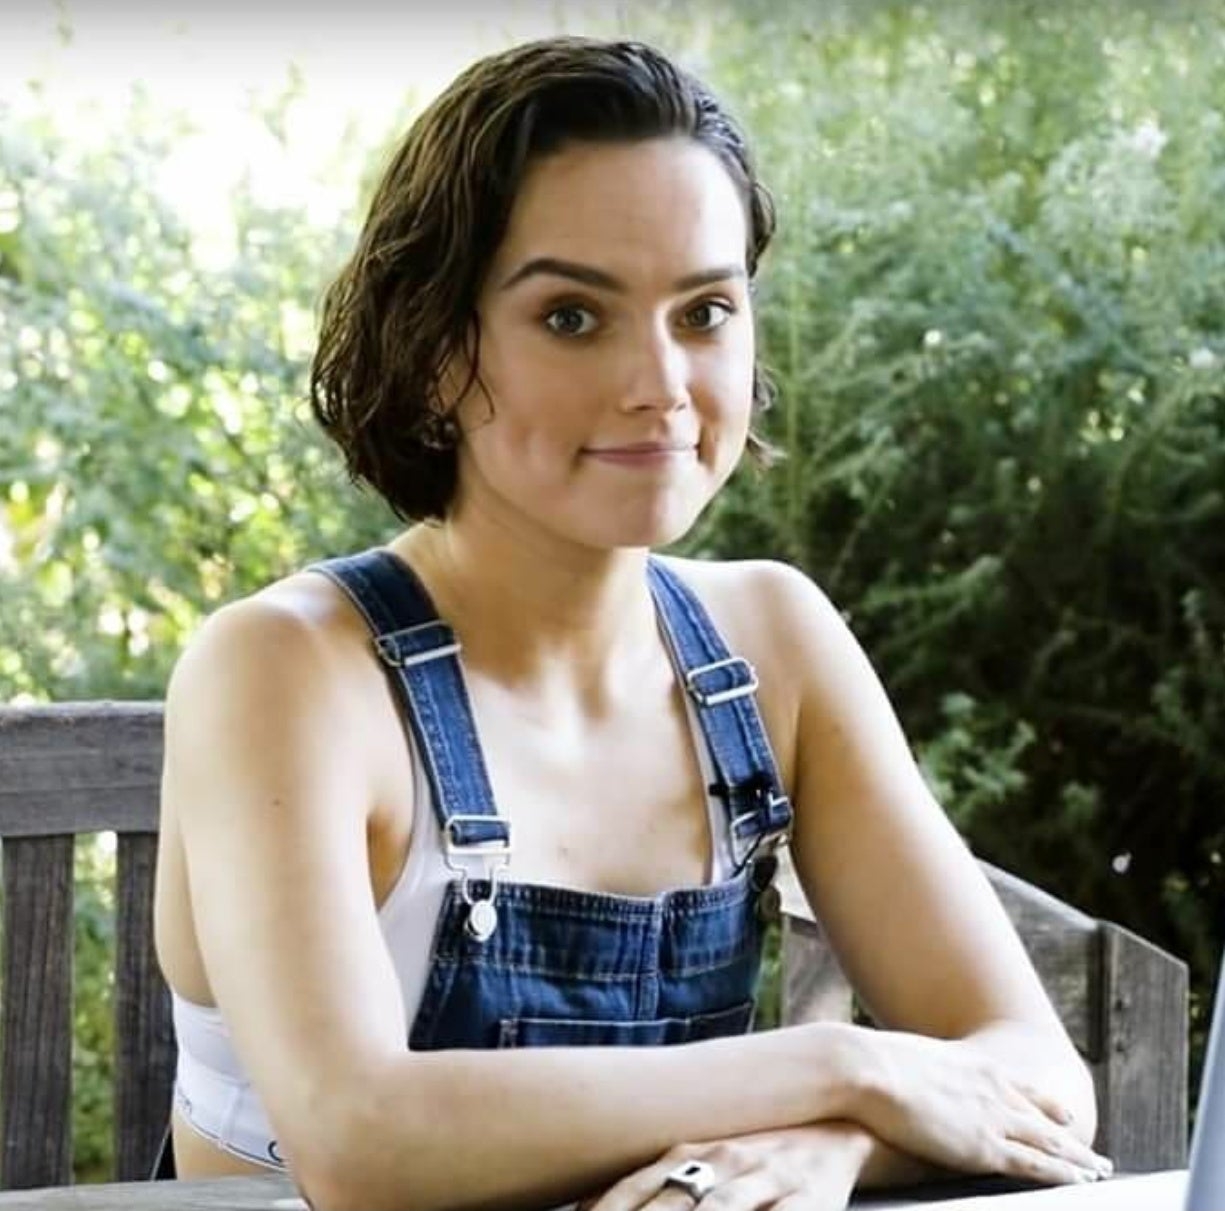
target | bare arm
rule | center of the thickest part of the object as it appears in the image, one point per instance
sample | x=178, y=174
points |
x=267, y=781
x=915, y=924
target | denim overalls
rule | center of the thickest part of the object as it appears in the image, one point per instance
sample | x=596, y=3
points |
x=529, y=965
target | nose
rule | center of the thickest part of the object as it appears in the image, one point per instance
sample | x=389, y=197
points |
x=657, y=373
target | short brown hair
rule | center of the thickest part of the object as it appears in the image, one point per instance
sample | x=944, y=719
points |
x=406, y=300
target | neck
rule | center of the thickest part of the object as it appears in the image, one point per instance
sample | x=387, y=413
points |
x=535, y=613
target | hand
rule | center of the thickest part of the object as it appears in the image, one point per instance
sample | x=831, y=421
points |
x=950, y=1102
x=811, y=1168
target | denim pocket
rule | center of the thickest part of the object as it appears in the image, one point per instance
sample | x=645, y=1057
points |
x=577, y=1032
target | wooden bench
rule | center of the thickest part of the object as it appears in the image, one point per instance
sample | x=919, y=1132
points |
x=80, y=768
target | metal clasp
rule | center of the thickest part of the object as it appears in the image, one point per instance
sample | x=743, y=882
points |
x=773, y=839
x=760, y=844
x=765, y=798
x=389, y=654
x=494, y=857
x=716, y=697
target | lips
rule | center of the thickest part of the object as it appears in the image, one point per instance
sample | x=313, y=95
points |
x=643, y=455
x=629, y=448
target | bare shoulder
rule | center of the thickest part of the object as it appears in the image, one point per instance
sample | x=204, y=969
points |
x=293, y=630
x=288, y=667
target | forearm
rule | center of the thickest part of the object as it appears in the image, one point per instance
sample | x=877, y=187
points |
x=538, y=1127
x=884, y=1165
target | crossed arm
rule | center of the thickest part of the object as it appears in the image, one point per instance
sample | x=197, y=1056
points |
x=972, y=1071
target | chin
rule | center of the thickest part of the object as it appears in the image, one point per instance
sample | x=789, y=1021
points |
x=658, y=530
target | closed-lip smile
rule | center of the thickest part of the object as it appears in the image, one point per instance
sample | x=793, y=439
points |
x=630, y=449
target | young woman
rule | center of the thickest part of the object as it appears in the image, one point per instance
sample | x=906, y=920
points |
x=467, y=839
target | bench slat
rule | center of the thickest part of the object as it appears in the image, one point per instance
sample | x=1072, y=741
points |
x=813, y=986
x=79, y=768
x=1064, y=946
x=144, y=1036
x=36, y=1070
x=1145, y=1006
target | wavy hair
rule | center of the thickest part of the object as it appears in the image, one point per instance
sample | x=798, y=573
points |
x=405, y=302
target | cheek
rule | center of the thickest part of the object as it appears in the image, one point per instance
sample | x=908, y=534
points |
x=536, y=433
x=730, y=383
x=536, y=404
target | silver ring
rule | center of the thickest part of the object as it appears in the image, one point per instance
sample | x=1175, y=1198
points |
x=696, y=1178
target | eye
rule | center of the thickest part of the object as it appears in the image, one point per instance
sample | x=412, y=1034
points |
x=569, y=320
x=709, y=315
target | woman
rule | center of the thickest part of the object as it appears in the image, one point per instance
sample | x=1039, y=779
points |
x=542, y=356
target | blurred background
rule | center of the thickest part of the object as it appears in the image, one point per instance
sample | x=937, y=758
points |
x=994, y=312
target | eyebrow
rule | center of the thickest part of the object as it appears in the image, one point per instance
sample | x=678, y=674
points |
x=590, y=276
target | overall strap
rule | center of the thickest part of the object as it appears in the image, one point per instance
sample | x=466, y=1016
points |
x=722, y=688
x=411, y=639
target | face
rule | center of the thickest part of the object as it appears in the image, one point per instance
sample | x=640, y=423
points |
x=616, y=347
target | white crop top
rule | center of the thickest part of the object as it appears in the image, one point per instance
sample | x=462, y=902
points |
x=211, y=1091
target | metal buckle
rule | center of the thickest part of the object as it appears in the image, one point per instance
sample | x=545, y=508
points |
x=389, y=655
x=475, y=848
x=765, y=799
x=764, y=843
x=494, y=857
x=714, y=699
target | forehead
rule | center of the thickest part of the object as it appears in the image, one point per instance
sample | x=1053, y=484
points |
x=666, y=205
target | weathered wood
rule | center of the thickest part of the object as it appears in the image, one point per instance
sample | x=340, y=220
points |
x=1145, y=1012
x=145, y=1050
x=36, y=1069
x=80, y=767
x=271, y=1193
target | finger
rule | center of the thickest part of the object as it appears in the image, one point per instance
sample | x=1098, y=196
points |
x=634, y=1198
x=1037, y=1133
x=645, y=1188
x=807, y=1202
x=1018, y=1159
x=639, y=1192
x=753, y=1190
x=1050, y=1105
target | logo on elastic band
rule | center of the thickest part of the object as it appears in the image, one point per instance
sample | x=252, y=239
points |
x=274, y=1153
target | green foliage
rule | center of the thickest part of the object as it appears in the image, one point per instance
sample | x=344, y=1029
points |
x=93, y=1010
x=156, y=455
x=996, y=313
